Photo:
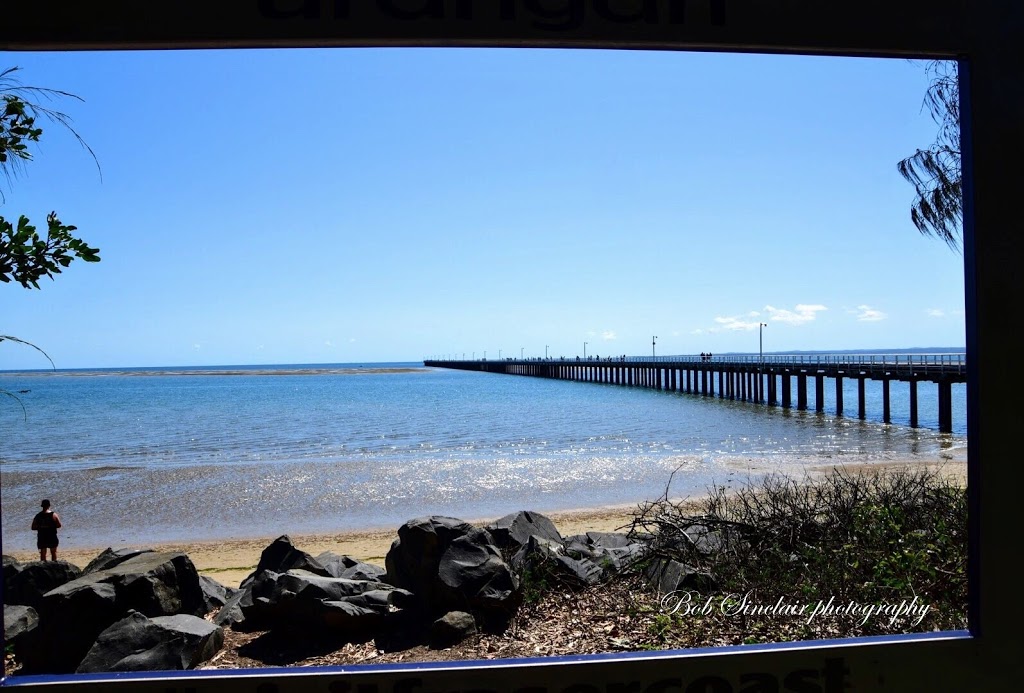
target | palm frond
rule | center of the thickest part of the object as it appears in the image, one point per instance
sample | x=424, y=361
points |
x=935, y=173
x=9, y=338
x=31, y=96
x=24, y=412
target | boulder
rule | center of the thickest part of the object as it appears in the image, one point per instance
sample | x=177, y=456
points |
x=349, y=568
x=215, y=595
x=707, y=540
x=281, y=556
x=612, y=552
x=515, y=529
x=610, y=540
x=11, y=568
x=701, y=540
x=231, y=613
x=364, y=571
x=452, y=566
x=451, y=629
x=36, y=578
x=334, y=564
x=108, y=558
x=412, y=560
x=301, y=599
x=545, y=560
x=138, y=643
x=74, y=614
x=667, y=576
x=71, y=617
x=18, y=620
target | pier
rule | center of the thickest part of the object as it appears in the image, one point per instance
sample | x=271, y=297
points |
x=769, y=380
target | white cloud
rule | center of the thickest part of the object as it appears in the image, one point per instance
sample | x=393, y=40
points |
x=936, y=312
x=329, y=343
x=802, y=313
x=868, y=314
x=608, y=335
x=734, y=323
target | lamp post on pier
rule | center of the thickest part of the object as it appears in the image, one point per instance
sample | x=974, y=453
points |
x=585, y=351
x=760, y=341
x=521, y=353
x=499, y=354
x=653, y=340
x=545, y=352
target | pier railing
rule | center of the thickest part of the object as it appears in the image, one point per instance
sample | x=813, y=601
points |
x=944, y=363
x=756, y=378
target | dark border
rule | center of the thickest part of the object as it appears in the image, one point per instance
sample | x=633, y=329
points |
x=985, y=36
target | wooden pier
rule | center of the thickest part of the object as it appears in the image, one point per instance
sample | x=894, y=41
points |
x=760, y=380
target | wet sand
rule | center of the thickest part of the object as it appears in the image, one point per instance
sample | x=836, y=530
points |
x=230, y=561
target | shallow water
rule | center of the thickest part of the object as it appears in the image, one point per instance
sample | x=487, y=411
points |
x=132, y=456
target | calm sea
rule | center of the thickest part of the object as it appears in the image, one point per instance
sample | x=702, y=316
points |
x=143, y=455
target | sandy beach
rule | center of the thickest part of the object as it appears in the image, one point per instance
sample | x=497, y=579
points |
x=230, y=561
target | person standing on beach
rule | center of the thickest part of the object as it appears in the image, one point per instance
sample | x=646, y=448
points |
x=45, y=524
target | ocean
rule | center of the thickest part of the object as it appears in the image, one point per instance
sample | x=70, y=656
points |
x=137, y=456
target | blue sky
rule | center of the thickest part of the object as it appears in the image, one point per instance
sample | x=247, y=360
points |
x=357, y=205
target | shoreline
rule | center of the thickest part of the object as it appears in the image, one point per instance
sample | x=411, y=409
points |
x=229, y=561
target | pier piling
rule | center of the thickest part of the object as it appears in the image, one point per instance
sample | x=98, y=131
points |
x=754, y=381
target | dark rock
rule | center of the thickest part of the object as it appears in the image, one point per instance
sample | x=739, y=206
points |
x=452, y=566
x=157, y=584
x=610, y=540
x=231, y=613
x=472, y=575
x=515, y=529
x=11, y=568
x=282, y=556
x=345, y=616
x=334, y=564
x=614, y=560
x=364, y=571
x=138, y=643
x=299, y=584
x=109, y=558
x=74, y=614
x=578, y=547
x=667, y=575
x=709, y=540
x=412, y=560
x=301, y=599
x=36, y=578
x=545, y=560
x=18, y=620
x=215, y=595
x=612, y=552
x=451, y=629
x=349, y=568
